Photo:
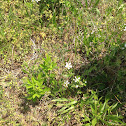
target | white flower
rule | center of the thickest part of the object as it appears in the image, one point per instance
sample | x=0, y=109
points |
x=84, y=98
x=77, y=86
x=77, y=79
x=85, y=82
x=125, y=45
x=68, y=65
x=66, y=83
x=125, y=28
x=92, y=31
x=36, y=0
x=99, y=36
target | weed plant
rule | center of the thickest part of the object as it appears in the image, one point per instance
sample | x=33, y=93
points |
x=71, y=57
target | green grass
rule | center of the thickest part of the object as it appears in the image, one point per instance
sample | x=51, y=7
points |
x=38, y=39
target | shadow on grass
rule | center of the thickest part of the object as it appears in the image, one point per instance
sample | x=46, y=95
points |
x=107, y=76
x=25, y=104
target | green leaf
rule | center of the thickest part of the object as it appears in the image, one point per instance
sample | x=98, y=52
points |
x=94, y=122
x=92, y=109
x=115, y=124
x=32, y=79
x=36, y=95
x=62, y=109
x=39, y=76
x=46, y=89
x=105, y=122
x=59, y=105
x=114, y=118
x=96, y=3
x=24, y=71
x=114, y=106
x=40, y=84
x=60, y=99
x=28, y=81
x=103, y=107
x=28, y=86
x=86, y=118
x=71, y=103
x=65, y=111
x=88, y=124
x=29, y=5
x=97, y=10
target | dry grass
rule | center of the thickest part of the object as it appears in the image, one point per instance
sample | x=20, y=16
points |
x=16, y=110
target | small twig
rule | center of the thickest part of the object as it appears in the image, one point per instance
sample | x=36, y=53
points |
x=117, y=99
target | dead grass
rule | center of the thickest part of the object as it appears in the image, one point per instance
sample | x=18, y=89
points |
x=16, y=110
